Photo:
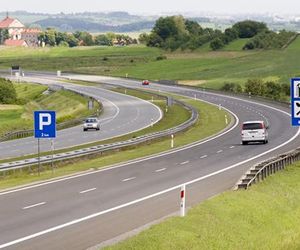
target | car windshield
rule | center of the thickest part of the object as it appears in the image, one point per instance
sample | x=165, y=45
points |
x=90, y=120
x=249, y=126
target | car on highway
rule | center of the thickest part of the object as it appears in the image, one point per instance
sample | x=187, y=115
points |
x=91, y=123
x=145, y=82
x=254, y=131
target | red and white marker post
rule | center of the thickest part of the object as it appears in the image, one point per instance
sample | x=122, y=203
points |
x=182, y=202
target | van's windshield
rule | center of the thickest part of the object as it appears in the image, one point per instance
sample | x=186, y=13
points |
x=250, y=126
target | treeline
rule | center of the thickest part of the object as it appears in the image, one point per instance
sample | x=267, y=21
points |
x=174, y=32
x=52, y=37
x=258, y=87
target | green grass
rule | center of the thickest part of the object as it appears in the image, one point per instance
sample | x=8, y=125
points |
x=211, y=122
x=236, y=44
x=215, y=67
x=265, y=217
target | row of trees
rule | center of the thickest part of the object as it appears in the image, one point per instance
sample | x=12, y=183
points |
x=175, y=32
x=258, y=87
x=8, y=93
x=51, y=37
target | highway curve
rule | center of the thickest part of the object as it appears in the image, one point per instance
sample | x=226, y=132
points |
x=122, y=114
x=92, y=208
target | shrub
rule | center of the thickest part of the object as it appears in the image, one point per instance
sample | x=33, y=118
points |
x=8, y=93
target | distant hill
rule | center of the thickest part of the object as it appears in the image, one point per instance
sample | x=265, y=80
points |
x=73, y=24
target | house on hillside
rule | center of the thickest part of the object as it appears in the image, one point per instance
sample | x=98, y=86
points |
x=19, y=35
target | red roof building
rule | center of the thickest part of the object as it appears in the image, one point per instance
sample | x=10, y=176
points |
x=18, y=32
x=19, y=43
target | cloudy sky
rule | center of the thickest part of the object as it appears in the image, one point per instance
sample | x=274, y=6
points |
x=154, y=6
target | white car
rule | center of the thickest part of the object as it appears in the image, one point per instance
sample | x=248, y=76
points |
x=91, y=123
x=254, y=131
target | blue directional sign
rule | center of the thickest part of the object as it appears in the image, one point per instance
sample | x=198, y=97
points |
x=44, y=124
x=295, y=101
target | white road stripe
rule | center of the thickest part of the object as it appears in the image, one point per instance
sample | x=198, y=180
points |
x=220, y=151
x=185, y=162
x=35, y=205
x=203, y=156
x=232, y=147
x=160, y=170
x=129, y=179
x=88, y=190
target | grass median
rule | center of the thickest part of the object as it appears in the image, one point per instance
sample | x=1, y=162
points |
x=267, y=216
x=211, y=122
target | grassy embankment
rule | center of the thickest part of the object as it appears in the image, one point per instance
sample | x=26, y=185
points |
x=20, y=117
x=211, y=122
x=267, y=216
x=212, y=68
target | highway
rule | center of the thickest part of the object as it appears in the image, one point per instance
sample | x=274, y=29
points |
x=93, y=208
x=122, y=114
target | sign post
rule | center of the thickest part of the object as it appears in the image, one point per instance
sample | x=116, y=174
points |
x=44, y=127
x=295, y=101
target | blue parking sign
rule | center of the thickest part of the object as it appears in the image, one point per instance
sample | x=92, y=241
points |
x=44, y=124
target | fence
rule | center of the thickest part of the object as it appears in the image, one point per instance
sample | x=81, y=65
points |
x=262, y=170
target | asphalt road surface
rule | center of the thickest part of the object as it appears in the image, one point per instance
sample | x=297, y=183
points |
x=92, y=208
x=122, y=114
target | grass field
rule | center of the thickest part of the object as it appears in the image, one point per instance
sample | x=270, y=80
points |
x=230, y=65
x=20, y=117
x=265, y=217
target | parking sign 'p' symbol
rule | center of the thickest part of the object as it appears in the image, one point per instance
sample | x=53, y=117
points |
x=44, y=120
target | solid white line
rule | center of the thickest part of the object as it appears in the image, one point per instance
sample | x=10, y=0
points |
x=129, y=179
x=203, y=156
x=141, y=199
x=160, y=170
x=88, y=190
x=185, y=162
x=220, y=151
x=35, y=205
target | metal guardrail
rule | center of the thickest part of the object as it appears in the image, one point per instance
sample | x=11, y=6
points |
x=106, y=147
x=262, y=170
x=74, y=122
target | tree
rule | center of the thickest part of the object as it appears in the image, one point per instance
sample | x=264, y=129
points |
x=84, y=37
x=248, y=28
x=255, y=87
x=144, y=38
x=103, y=40
x=216, y=44
x=3, y=35
x=8, y=93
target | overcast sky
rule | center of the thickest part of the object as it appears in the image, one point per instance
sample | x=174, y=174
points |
x=154, y=6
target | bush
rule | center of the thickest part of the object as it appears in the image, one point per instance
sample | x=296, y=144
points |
x=161, y=57
x=232, y=87
x=8, y=93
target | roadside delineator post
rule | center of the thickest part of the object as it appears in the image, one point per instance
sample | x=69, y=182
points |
x=220, y=107
x=226, y=120
x=182, y=201
x=172, y=141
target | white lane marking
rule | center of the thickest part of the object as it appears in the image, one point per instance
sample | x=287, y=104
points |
x=129, y=179
x=35, y=205
x=220, y=151
x=134, y=161
x=185, y=162
x=88, y=190
x=203, y=156
x=141, y=199
x=232, y=147
x=160, y=170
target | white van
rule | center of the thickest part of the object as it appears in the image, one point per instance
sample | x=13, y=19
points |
x=254, y=131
